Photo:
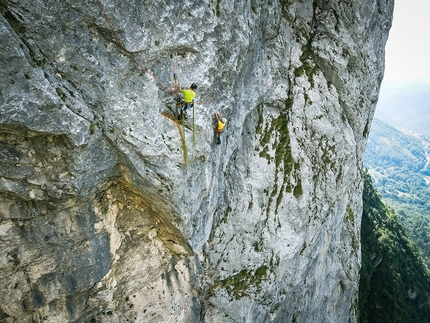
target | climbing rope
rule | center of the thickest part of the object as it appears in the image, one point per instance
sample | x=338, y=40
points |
x=206, y=102
x=176, y=81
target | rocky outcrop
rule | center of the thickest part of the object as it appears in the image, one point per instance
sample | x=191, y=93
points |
x=113, y=212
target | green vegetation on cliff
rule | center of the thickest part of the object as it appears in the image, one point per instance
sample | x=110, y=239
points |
x=398, y=163
x=394, y=282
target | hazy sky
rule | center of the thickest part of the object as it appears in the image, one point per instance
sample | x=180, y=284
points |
x=408, y=48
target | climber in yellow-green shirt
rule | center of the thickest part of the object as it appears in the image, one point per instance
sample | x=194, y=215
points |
x=188, y=98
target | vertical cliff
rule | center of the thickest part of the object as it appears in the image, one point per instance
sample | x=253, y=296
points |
x=112, y=212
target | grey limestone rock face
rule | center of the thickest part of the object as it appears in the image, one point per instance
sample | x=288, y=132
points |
x=111, y=210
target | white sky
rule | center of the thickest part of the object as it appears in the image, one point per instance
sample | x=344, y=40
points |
x=407, y=53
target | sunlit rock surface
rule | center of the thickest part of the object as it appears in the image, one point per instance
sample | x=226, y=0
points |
x=113, y=212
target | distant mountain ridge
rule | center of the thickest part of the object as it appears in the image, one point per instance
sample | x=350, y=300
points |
x=406, y=108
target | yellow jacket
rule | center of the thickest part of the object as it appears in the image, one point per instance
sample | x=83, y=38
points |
x=220, y=126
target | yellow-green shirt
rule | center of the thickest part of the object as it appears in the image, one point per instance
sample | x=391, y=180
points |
x=188, y=95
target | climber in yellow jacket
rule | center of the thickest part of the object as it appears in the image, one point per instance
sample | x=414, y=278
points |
x=188, y=98
x=220, y=127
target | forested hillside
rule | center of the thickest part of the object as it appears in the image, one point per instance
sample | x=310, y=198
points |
x=399, y=165
x=394, y=283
